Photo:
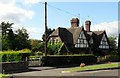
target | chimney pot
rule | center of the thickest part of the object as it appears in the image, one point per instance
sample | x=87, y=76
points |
x=87, y=25
x=74, y=22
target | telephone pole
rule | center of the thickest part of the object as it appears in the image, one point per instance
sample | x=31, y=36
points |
x=45, y=39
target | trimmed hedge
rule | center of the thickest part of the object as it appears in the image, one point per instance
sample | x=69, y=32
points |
x=112, y=58
x=68, y=60
x=14, y=56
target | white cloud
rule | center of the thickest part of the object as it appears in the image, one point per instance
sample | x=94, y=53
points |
x=7, y=1
x=34, y=32
x=32, y=1
x=110, y=27
x=9, y=11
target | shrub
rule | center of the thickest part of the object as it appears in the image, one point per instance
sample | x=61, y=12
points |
x=39, y=53
x=10, y=56
x=54, y=48
x=112, y=58
x=68, y=60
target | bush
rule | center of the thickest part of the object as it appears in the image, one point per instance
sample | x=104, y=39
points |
x=112, y=58
x=68, y=60
x=39, y=53
x=10, y=56
x=54, y=48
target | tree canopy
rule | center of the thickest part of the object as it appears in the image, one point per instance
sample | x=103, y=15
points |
x=112, y=42
x=119, y=42
x=13, y=40
x=49, y=31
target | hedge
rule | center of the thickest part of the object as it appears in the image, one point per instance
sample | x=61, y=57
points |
x=68, y=60
x=111, y=58
x=14, y=56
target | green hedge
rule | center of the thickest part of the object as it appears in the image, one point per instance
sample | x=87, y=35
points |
x=14, y=56
x=112, y=58
x=68, y=60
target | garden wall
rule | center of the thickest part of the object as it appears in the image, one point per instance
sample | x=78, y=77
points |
x=9, y=67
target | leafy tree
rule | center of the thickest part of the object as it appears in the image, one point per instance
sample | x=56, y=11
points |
x=119, y=42
x=11, y=40
x=22, y=41
x=36, y=45
x=54, y=48
x=49, y=31
x=112, y=42
x=7, y=36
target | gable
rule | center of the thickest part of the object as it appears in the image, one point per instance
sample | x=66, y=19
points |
x=75, y=31
x=104, y=43
x=81, y=42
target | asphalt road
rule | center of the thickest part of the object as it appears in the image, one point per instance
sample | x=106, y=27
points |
x=50, y=71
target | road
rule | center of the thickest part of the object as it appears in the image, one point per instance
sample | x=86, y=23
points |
x=50, y=71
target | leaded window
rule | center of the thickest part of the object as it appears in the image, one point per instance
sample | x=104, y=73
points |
x=81, y=42
x=54, y=40
x=104, y=43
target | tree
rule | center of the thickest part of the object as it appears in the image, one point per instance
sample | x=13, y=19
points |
x=36, y=45
x=11, y=40
x=49, y=31
x=112, y=42
x=7, y=36
x=119, y=42
x=22, y=41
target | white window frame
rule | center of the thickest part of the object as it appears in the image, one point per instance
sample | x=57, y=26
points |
x=104, y=43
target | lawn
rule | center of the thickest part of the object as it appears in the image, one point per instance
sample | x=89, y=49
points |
x=4, y=75
x=94, y=67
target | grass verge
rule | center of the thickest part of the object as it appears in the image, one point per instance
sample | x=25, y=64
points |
x=94, y=67
x=4, y=75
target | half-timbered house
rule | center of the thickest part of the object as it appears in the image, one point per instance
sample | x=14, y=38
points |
x=80, y=39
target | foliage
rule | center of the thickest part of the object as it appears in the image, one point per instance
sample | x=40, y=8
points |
x=112, y=42
x=119, y=42
x=53, y=49
x=10, y=56
x=49, y=31
x=21, y=38
x=4, y=75
x=39, y=53
x=7, y=35
x=12, y=40
x=34, y=57
x=60, y=60
x=36, y=45
x=112, y=58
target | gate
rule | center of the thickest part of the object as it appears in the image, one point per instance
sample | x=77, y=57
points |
x=34, y=62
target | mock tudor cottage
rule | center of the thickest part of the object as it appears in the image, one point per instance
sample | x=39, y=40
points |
x=76, y=39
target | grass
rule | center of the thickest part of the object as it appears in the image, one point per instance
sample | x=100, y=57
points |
x=94, y=67
x=4, y=75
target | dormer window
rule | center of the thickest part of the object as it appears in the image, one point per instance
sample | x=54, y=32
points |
x=81, y=42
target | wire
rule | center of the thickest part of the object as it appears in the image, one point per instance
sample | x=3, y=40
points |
x=67, y=12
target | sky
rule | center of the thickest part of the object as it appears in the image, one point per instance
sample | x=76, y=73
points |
x=30, y=14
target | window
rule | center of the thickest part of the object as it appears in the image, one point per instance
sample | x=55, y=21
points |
x=54, y=40
x=81, y=42
x=91, y=41
x=104, y=43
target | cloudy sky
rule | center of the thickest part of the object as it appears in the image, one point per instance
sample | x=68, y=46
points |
x=30, y=14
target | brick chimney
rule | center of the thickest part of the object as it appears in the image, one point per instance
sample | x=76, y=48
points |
x=87, y=25
x=74, y=22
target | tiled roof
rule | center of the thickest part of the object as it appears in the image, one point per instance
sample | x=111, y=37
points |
x=71, y=35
